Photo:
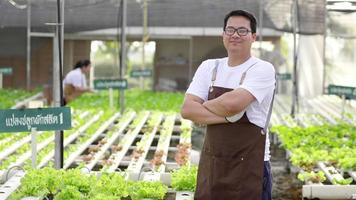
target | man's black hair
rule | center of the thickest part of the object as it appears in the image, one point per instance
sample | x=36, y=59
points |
x=242, y=13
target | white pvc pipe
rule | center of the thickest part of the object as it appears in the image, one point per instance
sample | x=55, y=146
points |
x=84, y=146
x=70, y=139
x=99, y=155
x=0, y=80
x=34, y=147
x=329, y=191
x=25, y=102
x=129, y=139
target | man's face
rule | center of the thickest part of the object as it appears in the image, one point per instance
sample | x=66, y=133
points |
x=236, y=42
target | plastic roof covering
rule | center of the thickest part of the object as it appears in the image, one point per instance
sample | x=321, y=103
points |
x=341, y=25
x=84, y=15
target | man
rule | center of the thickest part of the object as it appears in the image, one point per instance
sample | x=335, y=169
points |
x=75, y=84
x=233, y=96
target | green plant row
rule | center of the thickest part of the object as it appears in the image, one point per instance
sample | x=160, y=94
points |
x=335, y=144
x=72, y=184
x=135, y=99
x=9, y=97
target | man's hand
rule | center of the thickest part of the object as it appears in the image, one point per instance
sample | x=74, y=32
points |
x=194, y=110
x=230, y=103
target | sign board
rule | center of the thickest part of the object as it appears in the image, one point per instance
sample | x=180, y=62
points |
x=6, y=70
x=43, y=119
x=101, y=84
x=348, y=92
x=141, y=73
x=284, y=76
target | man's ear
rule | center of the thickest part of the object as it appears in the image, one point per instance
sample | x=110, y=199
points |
x=254, y=36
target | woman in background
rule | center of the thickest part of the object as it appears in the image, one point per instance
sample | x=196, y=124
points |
x=75, y=84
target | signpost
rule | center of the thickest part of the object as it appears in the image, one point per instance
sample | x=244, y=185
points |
x=4, y=71
x=348, y=92
x=345, y=92
x=284, y=76
x=42, y=119
x=102, y=84
x=141, y=73
x=33, y=120
x=282, y=85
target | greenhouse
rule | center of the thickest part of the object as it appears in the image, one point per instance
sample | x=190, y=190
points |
x=154, y=99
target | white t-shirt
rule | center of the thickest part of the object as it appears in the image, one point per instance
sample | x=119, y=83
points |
x=75, y=78
x=259, y=81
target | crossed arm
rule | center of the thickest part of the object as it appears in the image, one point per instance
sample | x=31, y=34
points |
x=214, y=111
x=194, y=110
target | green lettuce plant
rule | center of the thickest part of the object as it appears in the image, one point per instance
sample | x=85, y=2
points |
x=184, y=178
x=144, y=189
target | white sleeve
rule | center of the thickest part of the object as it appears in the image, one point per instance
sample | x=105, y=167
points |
x=74, y=79
x=201, y=81
x=260, y=80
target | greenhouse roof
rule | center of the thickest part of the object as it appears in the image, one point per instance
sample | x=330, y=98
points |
x=85, y=15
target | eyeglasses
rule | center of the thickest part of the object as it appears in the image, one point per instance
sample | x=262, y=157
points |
x=241, y=31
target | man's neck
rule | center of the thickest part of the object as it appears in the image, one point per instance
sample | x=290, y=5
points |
x=236, y=59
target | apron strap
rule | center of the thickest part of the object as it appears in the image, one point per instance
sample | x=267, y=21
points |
x=213, y=77
x=215, y=71
x=265, y=128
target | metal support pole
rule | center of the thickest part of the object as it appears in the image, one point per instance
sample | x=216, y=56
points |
x=57, y=83
x=56, y=99
x=28, y=55
x=324, y=43
x=123, y=7
x=295, y=102
x=62, y=35
x=34, y=147
x=260, y=35
x=144, y=39
x=111, y=98
x=343, y=107
x=190, y=72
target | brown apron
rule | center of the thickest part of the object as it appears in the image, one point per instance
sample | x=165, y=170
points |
x=232, y=159
x=70, y=93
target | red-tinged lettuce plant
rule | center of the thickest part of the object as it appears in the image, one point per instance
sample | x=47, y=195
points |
x=313, y=177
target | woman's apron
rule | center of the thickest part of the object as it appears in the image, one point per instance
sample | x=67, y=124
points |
x=232, y=159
